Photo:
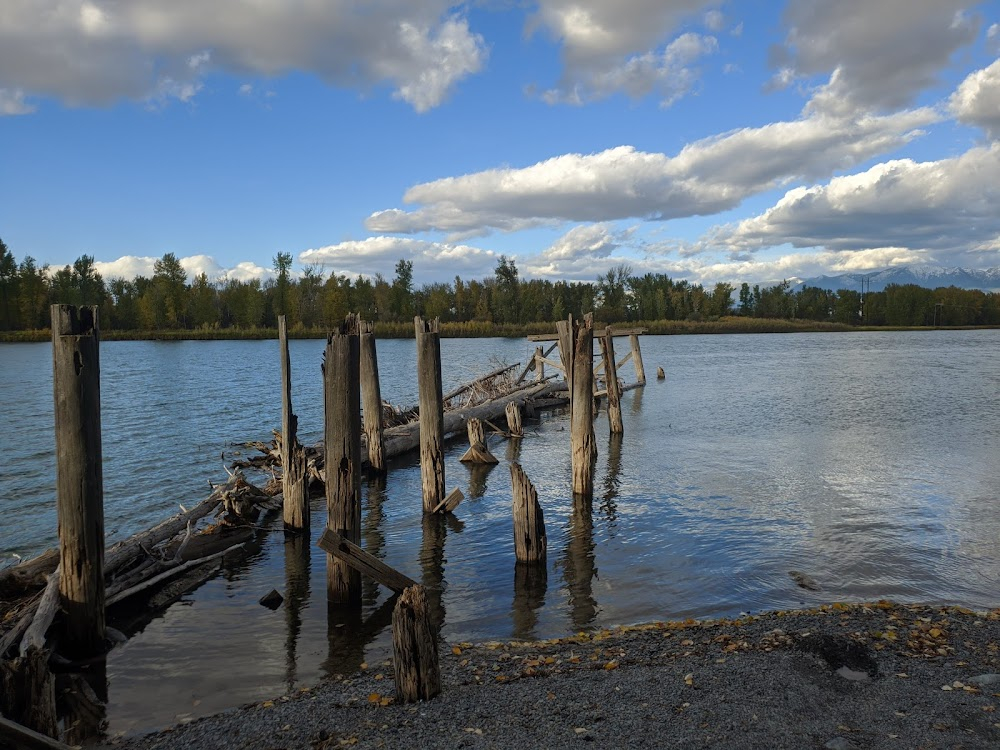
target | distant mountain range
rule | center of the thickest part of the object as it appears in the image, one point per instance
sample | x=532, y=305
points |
x=987, y=279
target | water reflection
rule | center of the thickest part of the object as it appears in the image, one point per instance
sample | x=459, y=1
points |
x=371, y=531
x=432, y=561
x=612, y=481
x=579, y=565
x=530, y=584
x=637, y=400
x=478, y=474
x=514, y=450
x=298, y=555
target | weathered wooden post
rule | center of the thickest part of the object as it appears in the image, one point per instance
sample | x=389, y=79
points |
x=293, y=455
x=371, y=395
x=564, y=333
x=431, y=412
x=660, y=374
x=539, y=364
x=342, y=444
x=530, y=542
x=414, y=648
x=611, y=379
x=640, y=372
x=584, y=446
x=479, y=452
x=76, y=372
x=514, y=425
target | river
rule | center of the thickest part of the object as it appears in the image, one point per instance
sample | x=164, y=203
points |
x=867, y=461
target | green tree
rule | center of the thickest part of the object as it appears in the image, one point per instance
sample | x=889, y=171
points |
x=204, y=302
x=9, y=283
x=171, y=278
x=282, y=283
x=612, y=293
x=402, y=291
x=507, y=288
x=33, y=294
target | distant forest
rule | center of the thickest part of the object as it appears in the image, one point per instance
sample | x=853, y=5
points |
x=315, y=301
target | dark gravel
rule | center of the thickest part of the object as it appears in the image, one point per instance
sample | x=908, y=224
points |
x=859, y=676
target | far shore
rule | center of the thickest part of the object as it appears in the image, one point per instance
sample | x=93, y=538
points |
x=451, y=329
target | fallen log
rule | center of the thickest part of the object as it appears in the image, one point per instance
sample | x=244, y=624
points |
x=20, y=579
x=35, y=635
x=168, y=574
x=21, y=736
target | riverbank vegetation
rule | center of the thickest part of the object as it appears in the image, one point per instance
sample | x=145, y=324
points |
x=169, y=306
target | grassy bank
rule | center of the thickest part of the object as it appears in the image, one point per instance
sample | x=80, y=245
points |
x=487, y=330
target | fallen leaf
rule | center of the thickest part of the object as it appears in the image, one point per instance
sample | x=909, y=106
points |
x=689, y=678
x=456, y=650
x=267, y=704
x=611, y=665
x=374, y=697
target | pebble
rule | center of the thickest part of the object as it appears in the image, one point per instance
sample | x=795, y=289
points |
x=838, y=743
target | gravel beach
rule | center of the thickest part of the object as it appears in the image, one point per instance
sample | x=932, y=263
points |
x=878, y=675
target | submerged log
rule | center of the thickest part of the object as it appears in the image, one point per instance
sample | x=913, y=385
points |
x=478, y=452
x=414, y=648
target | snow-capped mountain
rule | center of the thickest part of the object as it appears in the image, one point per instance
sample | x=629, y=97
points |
x=932, y=277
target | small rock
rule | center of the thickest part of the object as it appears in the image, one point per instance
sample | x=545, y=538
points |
x=838, y=743
x=991, y=678
x=851, y=674
x=803, y=581
x=272, y=600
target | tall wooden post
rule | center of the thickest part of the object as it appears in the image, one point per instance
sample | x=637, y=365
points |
x=611, y=378
x=431, y=412
x=582, y=406
x=539, y=364
x=640, y=372
x=76, y=378
x=371, y=396
x=514, y=424
x=293, y=455
x=564, y=331
x=342, y=442
x=530, y=542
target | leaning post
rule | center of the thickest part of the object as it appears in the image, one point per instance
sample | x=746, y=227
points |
x=293, y=455
x=76, y=379
x=611, y=378
x=584, y=446
x=431, y=411
x=371, y=396
x=342, y=445
x=640, y=372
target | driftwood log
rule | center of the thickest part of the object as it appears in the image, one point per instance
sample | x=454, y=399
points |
x=414, y=648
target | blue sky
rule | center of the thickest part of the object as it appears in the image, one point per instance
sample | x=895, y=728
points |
x=748, y=141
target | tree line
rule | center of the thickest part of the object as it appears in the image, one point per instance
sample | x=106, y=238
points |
x=316, y=300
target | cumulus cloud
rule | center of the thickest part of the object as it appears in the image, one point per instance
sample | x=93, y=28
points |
x=12, y=103
x=131, y=266
x=126, y=267
x=949, y=207
x=880, y=53
x=157, y=49
x=380, y=254
x=977, y=100
x=621, y=46
x=705, y=177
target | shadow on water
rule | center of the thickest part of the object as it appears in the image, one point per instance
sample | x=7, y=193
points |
x=530, y=584
x=579, y=564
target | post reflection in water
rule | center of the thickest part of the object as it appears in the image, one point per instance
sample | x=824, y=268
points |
x=612, y=481
x=348, y=634
x=83, y=698
x=298, y=553
x=432, y=562
x=637, y=400
x=579, y=567
x=371, y=531
x=478, y=474
x=514, y=450
x=530, y=583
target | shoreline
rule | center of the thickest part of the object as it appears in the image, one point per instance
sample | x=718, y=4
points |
x=732, y=325
x=838, y=676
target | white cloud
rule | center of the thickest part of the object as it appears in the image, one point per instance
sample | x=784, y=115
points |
x=714, y=20
x=879, y=53
x=131, y=266
x=949, y=207
x=12, y=103
x=151, y=49
x=245, y=271
x=977, y=100
x=126, y=267
x=707, y=176
x=379, y=255
x=621, y=46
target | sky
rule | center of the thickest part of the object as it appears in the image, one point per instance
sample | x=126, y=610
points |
x=748, y=141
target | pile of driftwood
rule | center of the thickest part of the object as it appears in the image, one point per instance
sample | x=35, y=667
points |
x=154, y=567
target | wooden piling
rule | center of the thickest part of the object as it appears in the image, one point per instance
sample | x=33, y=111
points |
x=539, y=364
x=79, y=475
x=479, y=452
x=660, y=374
x=342, y=441
x=564, y=340
x=431, y=411
x=530, y=542
x=371, y=396
x=640, y=372
x=28, y=697
x=611, y=379
x=514, y=425
x=293, y=455
x=584, y=447
x=414, y=648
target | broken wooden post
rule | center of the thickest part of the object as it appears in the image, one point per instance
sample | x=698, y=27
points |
x=514, y=426
x=293, y=455
x=660, y=374
x=28, y=695
x=342, y=441
x=611, y=380
x=76, y=372
x=431, y=411
x=450, y=502
x=539, y=359
x=371, y=395
x=414, y=648
x=479, y=452
x=584, y=447
x=564, y=340
x=530, y=542
x=362, y=562
x=640, y=372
